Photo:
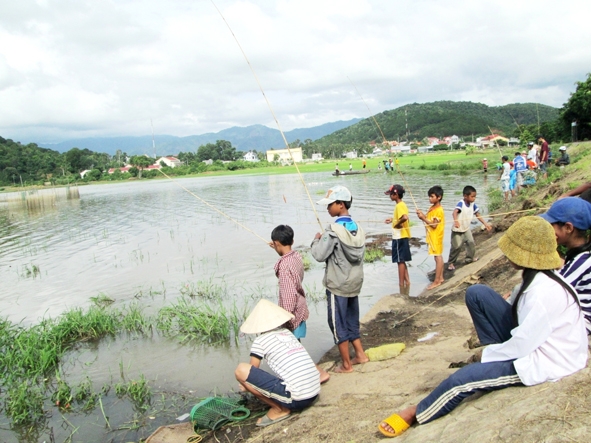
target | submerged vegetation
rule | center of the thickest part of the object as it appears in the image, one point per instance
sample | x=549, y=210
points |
x=31, y=356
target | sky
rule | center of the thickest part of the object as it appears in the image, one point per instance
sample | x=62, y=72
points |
x=96, y=68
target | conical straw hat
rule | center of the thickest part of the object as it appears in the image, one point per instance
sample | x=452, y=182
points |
x=264, y=317
x=530, y=242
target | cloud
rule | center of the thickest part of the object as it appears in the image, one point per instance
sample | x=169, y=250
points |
x=74, y=69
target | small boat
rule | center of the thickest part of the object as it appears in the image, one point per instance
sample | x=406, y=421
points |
x=360, y=171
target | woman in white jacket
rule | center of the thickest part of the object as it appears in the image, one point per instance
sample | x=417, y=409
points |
x=540, y=337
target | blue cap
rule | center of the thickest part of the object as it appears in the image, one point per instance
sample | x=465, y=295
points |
x=570, y=209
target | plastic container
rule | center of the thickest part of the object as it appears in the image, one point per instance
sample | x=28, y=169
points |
x=214, y=412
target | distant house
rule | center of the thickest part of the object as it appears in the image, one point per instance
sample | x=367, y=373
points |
x=123, y=169
x=454, y=139
x=284, y=155
x=250, y=157
x=317, y=156
x=350, y=154
x=208, y=162
x=490, y=140
x=377, y=151
x=171, y=162
x=433, y=141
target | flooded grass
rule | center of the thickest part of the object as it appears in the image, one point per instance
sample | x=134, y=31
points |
x=204, y=322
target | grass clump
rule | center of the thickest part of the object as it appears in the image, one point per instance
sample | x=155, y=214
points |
x=202, y=322
x=373, y=254
x=305, y=260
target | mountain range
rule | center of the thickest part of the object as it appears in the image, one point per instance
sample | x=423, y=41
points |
x=255, y=137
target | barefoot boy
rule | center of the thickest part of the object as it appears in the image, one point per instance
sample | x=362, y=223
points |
x=460, y=232
x=289, y=270
x=342, y=247
x=400, y=234
x=297, y=383
x=435, y=222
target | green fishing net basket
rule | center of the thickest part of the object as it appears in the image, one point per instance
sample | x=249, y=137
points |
x=214, y=412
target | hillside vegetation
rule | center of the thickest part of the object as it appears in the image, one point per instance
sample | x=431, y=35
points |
x=443, y=118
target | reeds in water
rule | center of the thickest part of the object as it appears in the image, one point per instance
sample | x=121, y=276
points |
x=40, y=200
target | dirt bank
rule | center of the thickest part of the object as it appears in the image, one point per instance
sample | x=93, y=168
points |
x=352, y=405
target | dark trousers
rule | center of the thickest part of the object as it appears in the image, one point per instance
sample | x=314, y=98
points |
x=491, y=315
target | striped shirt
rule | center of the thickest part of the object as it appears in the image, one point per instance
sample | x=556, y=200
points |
x=289, y=269
x=291, y=362
x=577, y=271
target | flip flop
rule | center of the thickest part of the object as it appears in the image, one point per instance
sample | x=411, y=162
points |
x=397, y=423
x=266, y=421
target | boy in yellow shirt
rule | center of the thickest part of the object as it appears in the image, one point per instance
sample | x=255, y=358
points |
x=400, y=235
x=435, y=223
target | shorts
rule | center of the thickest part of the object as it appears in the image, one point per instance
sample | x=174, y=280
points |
x=343, y=317
x=274, y=388
x=401, y=250
x=300, y=331
x=520, y=178
x=543, y=166
x=505, y=185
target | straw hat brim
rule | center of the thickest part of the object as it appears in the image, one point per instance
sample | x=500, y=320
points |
x=264, y=317
x=531, y=244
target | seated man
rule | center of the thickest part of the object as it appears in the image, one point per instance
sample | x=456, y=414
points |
x=564, y=159
x=297, y=383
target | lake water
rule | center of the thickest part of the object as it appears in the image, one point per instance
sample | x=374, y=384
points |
x=144, y=241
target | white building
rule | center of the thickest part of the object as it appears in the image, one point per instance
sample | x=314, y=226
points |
x=171, y=162
x=316, y=156
x=350, y=154
x=284, y=155
x=250, y=157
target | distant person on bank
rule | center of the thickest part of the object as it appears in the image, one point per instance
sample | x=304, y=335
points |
x=564, y=158
x=544, y=156
x=539, y=337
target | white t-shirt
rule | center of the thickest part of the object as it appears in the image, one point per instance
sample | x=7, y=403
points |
x=506, y=171
x=291, y=362
x=550, y=341
x=466, y=213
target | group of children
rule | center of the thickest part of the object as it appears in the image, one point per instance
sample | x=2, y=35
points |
x=544, y=318
x=434, y=221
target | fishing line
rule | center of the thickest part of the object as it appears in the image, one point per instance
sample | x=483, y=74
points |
x=407, y=188
x=213, y=207
x=272, y=113
x=496, y=144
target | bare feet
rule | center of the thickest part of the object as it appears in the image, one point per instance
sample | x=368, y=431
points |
x=359, y=361
x=435, y=284
x=324, y=376
x=451, y=267
x=340, y=370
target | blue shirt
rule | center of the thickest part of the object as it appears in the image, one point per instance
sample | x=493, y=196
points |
x=519, y=164
x=348, y=223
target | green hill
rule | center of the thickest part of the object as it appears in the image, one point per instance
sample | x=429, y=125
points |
x=440, y=119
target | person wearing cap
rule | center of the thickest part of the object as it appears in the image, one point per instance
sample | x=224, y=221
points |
x=540, y=337
x=571, y=218
x=296, y=384
x=544, y=155
x=564, y=157
x=400, y=235
x=342, y=248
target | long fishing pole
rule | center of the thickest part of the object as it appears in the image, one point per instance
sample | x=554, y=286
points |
x=272, y=113
x=213, y=207
x=495, y=140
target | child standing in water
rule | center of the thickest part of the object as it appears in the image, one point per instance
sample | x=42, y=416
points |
x=435, y=223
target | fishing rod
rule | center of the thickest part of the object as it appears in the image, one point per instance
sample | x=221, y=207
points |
x=496, y=144
x=212, y=206
x=272, y=113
